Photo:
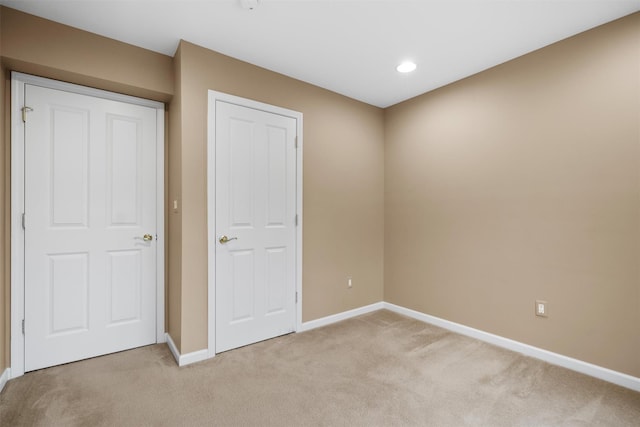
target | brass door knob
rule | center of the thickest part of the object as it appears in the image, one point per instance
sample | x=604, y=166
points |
x=147, y=237
x=225, y=239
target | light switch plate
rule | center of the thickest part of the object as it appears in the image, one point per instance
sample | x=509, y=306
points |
x=542, y=308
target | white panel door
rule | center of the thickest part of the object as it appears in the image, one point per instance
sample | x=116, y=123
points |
x=255, y=209
x=90, y=197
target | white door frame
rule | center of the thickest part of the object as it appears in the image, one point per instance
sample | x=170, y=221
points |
x=18, y=81
x=211, y=206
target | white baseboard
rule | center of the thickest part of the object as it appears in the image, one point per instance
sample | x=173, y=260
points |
x=324, y=321
x=186, y=359
x=605, y=374
x=4, y=378
x=197, y=356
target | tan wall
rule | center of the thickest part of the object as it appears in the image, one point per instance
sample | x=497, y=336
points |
x=37, y=46
x=523, y=182
x=4, y=241
x=343, y=187
x=41, y=47
x=174, y=218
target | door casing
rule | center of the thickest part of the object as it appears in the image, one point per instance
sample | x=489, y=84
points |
x=18, y=81
x=211, y=199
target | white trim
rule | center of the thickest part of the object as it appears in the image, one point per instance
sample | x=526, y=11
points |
x=4, y=378
x=160, y=226
x=605, y=374
x=299, y=228
x=211, y=197
x=185, y=359
x=211, y=228
x=172, y=348
x=324, y=321
x=86, y=90
x=16, y=231
x=18, y=82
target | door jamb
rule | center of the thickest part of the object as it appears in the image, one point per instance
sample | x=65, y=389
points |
x=18, y=81
x=211, y=197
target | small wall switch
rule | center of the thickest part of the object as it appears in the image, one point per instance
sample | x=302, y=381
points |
x=542, y=308
x=175, y=206
x=349, y=282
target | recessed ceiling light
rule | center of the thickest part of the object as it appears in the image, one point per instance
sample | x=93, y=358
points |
x=406, y=67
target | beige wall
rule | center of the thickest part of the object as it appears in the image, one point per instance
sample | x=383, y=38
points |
x=4, y=244
x=174, y=218
x=5, y=295
x=343, y=187
x=523, y=182
x=41, y=47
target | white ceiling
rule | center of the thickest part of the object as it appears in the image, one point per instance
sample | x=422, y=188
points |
x=351, y=46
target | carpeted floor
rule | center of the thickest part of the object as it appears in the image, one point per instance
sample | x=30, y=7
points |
x=380, y=369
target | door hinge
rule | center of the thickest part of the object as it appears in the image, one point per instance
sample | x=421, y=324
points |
x=22, y=326
x=24, y=227
x=296, y=303
x=296, y=220
x=296, y=143
x=25, y=110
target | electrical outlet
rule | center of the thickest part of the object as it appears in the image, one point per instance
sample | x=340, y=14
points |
x=542, y=308
x=349, y=282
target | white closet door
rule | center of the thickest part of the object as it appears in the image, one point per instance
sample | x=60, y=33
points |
x=90, y=199
x=255, y=210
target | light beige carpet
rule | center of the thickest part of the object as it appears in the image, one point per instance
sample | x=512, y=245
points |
x=379, y=369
